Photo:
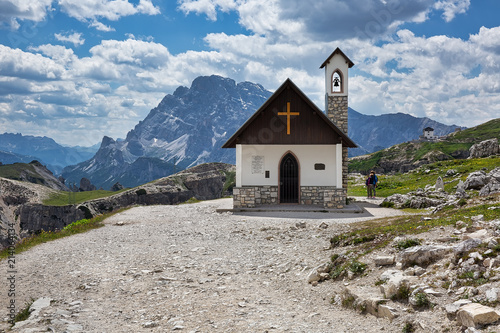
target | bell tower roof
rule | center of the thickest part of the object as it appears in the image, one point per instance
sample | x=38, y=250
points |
x=337, y=51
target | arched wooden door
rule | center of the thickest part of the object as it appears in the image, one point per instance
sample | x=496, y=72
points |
x=289, y=179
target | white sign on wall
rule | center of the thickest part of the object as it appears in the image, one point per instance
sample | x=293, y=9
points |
x=257, y=164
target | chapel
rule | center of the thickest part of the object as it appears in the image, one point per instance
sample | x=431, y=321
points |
x=291, y=152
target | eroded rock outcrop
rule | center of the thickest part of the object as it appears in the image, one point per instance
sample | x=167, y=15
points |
x=484, y=148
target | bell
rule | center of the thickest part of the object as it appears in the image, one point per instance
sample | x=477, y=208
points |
x=336, y=82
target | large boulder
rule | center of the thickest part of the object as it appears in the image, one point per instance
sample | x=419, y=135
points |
x=423, y=255
x=475, y=314
x=399, y=200
x=465, y=246
x=417, y=199
x=484, y=148
x=476, y=180
x=493, y=184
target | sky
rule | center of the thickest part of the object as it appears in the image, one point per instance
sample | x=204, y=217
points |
x=76, y=70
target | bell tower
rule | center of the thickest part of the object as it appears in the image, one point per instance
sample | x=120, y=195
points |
x=336, y=85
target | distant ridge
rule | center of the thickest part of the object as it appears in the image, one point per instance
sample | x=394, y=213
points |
x=25, y=148
x=373, y=133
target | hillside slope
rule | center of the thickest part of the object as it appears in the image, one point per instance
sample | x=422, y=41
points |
x=373, y=133
x=410, y=155
x=33, y=172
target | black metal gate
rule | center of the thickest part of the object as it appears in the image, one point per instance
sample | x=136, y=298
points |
x=289, y=180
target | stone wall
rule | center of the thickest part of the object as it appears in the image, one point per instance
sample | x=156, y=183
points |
x=335, y=198
x=325, y=196
x=244, y=197
x=337, y=113
x=322, y=196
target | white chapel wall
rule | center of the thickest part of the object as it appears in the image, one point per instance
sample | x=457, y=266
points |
x=252, y=161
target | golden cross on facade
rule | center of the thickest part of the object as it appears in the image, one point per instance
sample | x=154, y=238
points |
x=288, y=114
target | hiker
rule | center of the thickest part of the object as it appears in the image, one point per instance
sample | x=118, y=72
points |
x=371, y=184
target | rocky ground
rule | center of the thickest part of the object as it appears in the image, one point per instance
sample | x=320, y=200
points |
x=187, y=268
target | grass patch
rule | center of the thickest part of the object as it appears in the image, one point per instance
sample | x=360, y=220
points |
x=191, y=201
x=357, y=267
x=427, y=174
x=374, y=234
x=340, y=264
x=22, y=171
x=24, y=313
x=47, y=236
x=63, y=198
x=467, y=279
x=365, y=165
x=406, y=243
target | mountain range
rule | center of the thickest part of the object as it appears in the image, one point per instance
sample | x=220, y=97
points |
x=189, y=127
x=374, y=133
x=26, y=148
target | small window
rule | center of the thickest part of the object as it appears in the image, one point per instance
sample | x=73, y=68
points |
x=267, y=174
x=319, y=166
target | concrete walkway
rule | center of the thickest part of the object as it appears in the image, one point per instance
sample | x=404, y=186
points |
x=361, y=209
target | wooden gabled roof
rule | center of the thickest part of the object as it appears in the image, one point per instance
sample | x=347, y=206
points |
x=268, y=125
x=337, y=51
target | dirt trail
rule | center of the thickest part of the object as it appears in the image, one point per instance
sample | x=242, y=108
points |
x=187, y=268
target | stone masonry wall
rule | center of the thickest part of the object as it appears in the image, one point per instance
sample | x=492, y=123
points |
x=244, y=197
x=337, y=112
x=335, y=198
x=323, y=196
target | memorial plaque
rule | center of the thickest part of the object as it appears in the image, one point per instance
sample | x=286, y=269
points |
x=257, y=164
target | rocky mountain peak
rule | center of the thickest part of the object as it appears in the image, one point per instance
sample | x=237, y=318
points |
x=107, y=141
x=187, y=128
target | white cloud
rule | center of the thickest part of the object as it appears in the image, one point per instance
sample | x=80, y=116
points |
x=74, y=38
x=25, y=65
x=451, y=8
x=93, y=10
x=12, y=10
x=207, y=7
x=111, y=10
x=132, y=52
x=100, y=26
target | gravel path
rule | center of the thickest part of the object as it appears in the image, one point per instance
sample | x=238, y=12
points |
x=187, y=268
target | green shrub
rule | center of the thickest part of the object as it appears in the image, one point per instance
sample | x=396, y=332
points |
x=75, y=225
x=406, y=243
x=357, y=267
x=24, y=313
x=387, y=204
x=422, y=300
x=402, y=294
x=408, y=328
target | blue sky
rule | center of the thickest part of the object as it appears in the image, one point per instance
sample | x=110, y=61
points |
x=76, y=70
